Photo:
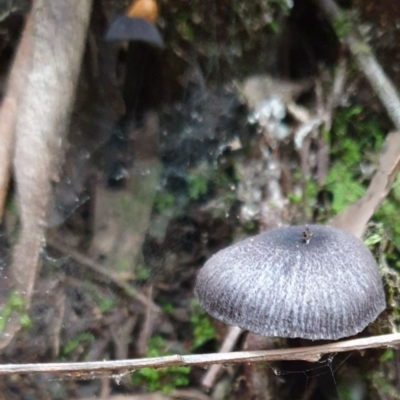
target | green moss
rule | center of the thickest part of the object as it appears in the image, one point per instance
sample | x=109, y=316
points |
x=11, y=207
x=344, y=186
x=25, y=321
x=294, y=198
x=168, y=308
x=381, y=383
x=14, y=304
x=185, y=29
x=71, y=345
x=311, y=190
x=250, y=226
x=388, y=214
x=344, y=393
x=386, y=356
x=354, y=135
x=106, y=303
x=202, y=330
x=162, y=379
x=197, y=185
x=342, y=25
x=391, y=282
x=143, y=272
x=122, y=265
x=373, y=239
x=163, y=201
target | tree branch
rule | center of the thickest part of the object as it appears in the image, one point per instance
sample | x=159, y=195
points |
x=355, y=217
x=365, y=59
x=40, y=113
x=92, y=369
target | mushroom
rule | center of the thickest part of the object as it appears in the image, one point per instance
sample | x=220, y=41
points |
x=137, y=24
x=311, y=282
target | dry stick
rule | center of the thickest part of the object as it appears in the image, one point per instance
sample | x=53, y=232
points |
x=102, y=274
x=9, y=107
x=310, y=354
x=57, y=39
x=366, y=61
x=228, y=344
x=338, y=86
x=354, y=218
x=177, y=394
x=147, y=327
x=310, y=389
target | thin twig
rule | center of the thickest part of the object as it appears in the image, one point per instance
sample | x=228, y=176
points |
x=228, y=344
x=147, y=326
x=366, y=61
x=338, y=87
x=355, y=217
x=101, y=273
x=311, y=354
x=310, y=389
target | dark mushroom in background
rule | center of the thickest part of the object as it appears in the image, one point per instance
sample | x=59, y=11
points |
x=311, y=282
x=137, y=24
x=143, y=60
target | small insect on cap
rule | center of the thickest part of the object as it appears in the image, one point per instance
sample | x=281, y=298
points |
x=311, y=282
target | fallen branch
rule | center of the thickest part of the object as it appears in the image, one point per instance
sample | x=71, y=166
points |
x=102, y=274
x=81, y=370
x=56, y=45
x=365, y=59
x=9, y=109
x=355, y=217
x=230, y=341
x=58, y=38
x=176, y=394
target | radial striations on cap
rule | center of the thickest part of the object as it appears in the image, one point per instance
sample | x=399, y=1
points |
x=312, y=282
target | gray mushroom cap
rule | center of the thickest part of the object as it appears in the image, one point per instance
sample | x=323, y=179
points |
x=312, y=282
